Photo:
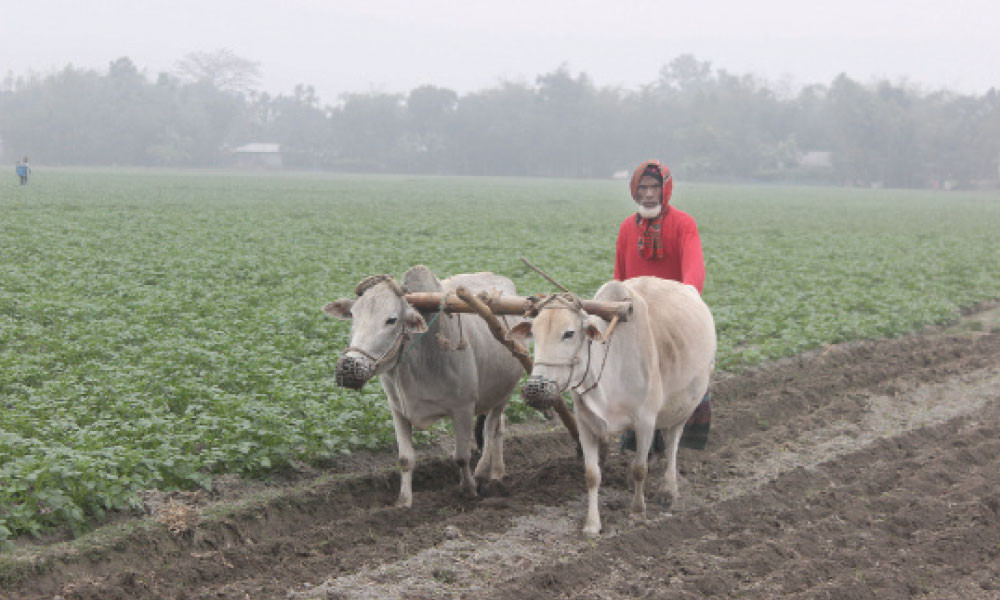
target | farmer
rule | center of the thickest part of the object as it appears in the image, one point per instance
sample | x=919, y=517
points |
x=22, y=170
x=662, y=241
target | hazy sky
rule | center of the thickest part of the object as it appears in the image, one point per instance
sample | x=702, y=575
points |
x=392, y=45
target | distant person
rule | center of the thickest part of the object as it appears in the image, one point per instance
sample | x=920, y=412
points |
x=662, y=241
x=23, y=170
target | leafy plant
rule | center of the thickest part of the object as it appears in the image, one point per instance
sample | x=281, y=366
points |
x=157, y=329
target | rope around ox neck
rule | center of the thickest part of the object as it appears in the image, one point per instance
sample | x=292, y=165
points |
x=570, y=301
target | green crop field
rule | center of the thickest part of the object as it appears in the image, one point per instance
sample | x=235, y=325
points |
x=158, y=328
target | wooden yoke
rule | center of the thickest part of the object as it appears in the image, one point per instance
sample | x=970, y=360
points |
x=509, y=305
x=518, y=350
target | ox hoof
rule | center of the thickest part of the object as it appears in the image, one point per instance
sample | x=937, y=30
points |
x=637, y=511
x=592, y=531
x=637, y=518
x=664, y=499
x=488, y=488
x=404, y=503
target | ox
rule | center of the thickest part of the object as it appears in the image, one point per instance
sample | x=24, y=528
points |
x=430, y=369
x=650, y=374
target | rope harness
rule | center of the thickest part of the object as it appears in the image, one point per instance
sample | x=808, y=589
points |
x=396, y=351
x=390, y=354
x=568, y=301
x=393, y=352
x=444, y=301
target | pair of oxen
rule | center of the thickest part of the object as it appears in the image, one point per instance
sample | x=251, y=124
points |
x=650, y=373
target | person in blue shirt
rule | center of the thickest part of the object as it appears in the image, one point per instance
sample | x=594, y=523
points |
x=23, y=170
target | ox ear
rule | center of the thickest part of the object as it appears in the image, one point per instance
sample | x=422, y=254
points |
x=339, y=308
x=414, y=322
x=592, y=328
x=521, y=332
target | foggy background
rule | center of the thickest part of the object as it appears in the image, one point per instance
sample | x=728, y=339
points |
x=859, y=93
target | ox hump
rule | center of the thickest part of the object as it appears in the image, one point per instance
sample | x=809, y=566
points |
x=419, y=278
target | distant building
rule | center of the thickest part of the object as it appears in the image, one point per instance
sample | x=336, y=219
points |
x=621, y=174
x=816, y=159
x=258, y=155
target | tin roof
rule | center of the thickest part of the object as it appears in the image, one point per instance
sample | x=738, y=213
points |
x=258, y=148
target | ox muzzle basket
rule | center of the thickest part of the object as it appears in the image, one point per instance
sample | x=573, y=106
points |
x=540, y=393
x=353, y=371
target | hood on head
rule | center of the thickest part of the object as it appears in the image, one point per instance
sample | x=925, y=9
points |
x=662, y=170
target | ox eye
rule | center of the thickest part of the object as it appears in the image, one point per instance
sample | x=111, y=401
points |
x=391, y=321
x=568, y=335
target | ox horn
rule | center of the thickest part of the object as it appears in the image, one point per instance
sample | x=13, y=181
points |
x=372, y=280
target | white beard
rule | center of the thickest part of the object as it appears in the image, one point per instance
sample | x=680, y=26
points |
x=649, y=213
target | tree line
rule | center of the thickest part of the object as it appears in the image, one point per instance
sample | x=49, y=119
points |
x=705, y=122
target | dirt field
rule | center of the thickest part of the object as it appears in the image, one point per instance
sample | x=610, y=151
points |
x=868, y=470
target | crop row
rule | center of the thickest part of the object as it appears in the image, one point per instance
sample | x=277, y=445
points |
x=157, y=329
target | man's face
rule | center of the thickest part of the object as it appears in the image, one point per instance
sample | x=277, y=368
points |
x=648, y=196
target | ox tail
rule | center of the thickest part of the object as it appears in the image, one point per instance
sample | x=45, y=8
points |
x=696, y=429
x=480, y=426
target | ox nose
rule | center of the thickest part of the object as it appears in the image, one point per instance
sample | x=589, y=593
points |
x=353, y=372
x=539, y=392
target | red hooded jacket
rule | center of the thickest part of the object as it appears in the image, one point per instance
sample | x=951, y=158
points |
x=682, y=259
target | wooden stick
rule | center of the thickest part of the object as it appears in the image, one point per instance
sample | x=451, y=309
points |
x=511, y=305
x=431, y=301
x=545, y=275
x=611, y=328
x=608, y=310
x=497, y=328
x=519, y=352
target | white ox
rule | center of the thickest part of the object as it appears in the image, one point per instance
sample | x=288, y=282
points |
x=448, y=367
x=650, y=375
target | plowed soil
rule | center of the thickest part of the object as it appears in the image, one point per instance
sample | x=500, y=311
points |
x=866, y=470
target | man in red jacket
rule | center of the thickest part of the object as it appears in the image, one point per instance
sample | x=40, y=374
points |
x=662, y=241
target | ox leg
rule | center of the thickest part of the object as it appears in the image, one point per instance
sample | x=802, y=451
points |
x=464, y=432
x=591, y=447
x=407, y=458
x=644, y=431
x=490, y=469
x=668, y=492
